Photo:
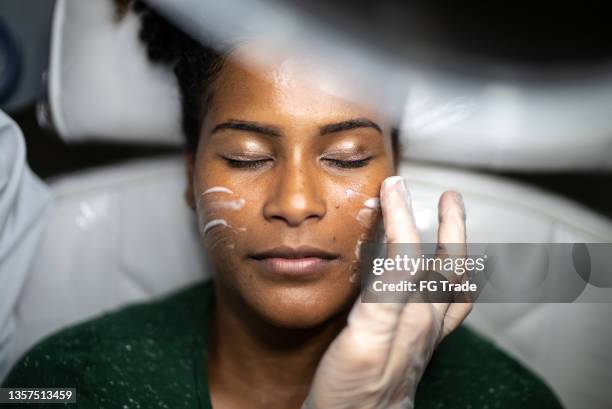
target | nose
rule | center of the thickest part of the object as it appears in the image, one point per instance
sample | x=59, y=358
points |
x=295, y=197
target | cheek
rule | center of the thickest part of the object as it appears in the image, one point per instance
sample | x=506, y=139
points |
x=369, y=212
x=363, y=203
x=359, y=213
x=219, y=211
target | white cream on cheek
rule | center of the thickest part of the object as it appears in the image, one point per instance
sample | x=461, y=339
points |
x=225, y=205
x=365, y=217
x=351, y=193
x=358, y=246
x=217, y=189
x=212, y=224
x=214, y=230
x=229, y=204
x=355, y=264
x=367, y=213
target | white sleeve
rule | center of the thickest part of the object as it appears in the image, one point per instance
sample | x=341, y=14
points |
x=24, y=203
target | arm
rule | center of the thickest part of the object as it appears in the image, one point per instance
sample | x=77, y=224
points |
x=23, y=203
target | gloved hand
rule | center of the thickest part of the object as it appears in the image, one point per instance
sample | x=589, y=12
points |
x=378, y=359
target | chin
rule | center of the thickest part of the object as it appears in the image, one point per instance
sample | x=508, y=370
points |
x=303, y=307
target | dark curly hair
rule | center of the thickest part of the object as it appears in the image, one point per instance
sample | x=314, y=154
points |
x=195, y=65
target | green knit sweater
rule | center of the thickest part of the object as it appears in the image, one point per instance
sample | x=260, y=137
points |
x=153, y=355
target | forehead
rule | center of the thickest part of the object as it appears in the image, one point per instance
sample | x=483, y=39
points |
x=288, y=88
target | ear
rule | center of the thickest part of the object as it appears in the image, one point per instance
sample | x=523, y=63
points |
x=189, y=165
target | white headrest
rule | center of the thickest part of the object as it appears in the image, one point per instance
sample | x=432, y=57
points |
x=101, y=83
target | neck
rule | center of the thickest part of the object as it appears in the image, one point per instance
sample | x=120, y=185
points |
x=255, y=361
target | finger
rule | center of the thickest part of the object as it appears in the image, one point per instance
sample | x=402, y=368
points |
x=400, y=226
x=451, y=230
x=422, y=325
x=455, y=315
x=403, y=238
x=417, y=334
x=379, y=320
x=452, y=242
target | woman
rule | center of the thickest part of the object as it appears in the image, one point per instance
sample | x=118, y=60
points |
x=288, y=182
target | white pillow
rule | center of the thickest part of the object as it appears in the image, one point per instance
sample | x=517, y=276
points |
x=545, y=124
x=101, y=83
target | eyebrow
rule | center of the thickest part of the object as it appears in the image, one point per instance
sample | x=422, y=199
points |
x=247, y=126
x=255, y=127
x=348, y=125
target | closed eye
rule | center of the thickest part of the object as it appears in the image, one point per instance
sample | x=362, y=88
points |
x=247, y=164
x=347, y=164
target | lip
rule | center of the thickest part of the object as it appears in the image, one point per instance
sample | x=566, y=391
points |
x=292, y=262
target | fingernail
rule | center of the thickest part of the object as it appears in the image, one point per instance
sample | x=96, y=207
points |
x=399, y=183
x=392, y=180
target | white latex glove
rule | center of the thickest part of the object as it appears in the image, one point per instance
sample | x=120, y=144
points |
x=24, y=201
x=377, y=361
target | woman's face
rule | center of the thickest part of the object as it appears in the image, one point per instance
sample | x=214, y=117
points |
x=285, y=182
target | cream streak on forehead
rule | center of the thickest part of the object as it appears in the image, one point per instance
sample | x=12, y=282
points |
x=298, y=91
x=282, y=89
x=289, y=87
x=291, y=73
